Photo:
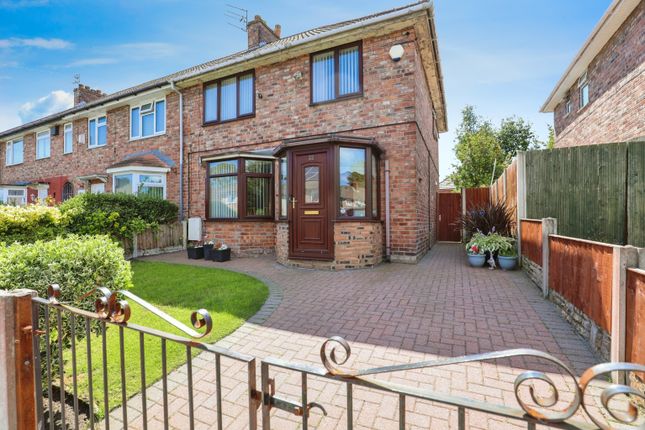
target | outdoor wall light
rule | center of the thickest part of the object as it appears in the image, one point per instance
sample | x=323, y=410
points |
x=396, y=52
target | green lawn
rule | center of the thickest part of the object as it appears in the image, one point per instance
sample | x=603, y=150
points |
x=178, y=290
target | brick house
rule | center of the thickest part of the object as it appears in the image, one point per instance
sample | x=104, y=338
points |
x=599, y=99
x=321, y=147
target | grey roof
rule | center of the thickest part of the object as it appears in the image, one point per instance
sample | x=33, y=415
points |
x=238, y=57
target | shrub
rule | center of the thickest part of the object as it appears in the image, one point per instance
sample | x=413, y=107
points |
x=119, y=215
x=30, y=223
x=492, y=242
x=78, y=264
x=491, y=218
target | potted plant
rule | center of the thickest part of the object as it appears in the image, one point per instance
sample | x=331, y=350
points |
x=507, y=258
x=494, y=243
x=476, y=256
x=208, y=250
x=221, y=252
x=195, y=251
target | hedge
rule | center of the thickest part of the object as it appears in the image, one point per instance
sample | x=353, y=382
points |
x=119, y=215
x=30, y=223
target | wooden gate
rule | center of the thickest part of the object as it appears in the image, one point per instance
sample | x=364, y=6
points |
x=448, y=210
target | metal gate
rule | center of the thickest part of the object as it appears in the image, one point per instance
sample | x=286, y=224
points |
x=49, y=317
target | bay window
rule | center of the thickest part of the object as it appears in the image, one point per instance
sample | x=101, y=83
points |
x=240, y=188
x=97, y=130
x=148, y=119
x=357, y=182
x=16, y=197
x=229, y=98
x=14, y=152
x=151, y=184
x=43, y=144
x=336, y=73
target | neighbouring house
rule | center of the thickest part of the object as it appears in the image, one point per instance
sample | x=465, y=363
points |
x=599, y=99
x=321, y=147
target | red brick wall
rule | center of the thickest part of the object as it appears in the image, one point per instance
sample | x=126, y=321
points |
x=244, y=238
x=616, y=84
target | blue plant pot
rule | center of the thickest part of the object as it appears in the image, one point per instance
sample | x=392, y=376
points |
x=507, y=263
x=477, y=260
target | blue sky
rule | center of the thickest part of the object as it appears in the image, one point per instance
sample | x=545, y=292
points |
x=502, y=56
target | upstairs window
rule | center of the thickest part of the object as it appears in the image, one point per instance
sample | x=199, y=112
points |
x=336, y=73
x=68, y=138
x=43, y=144
x=583, y=89
x=98, y=132
x=240, y=188
x=14, y=152
x=567, y=107
x=148, y=119
x=229, y=98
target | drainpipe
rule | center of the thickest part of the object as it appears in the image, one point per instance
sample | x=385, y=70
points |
x=181, y=150
x=388, y=250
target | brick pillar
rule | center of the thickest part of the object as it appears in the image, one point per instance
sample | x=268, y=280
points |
x=17, y=389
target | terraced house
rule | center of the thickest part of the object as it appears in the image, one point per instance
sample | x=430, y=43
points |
x=320, y=147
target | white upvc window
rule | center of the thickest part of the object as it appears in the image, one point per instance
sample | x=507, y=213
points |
x=97, y=129
x=14, y=152
x=144, y=183
x=148, y=119
x=68, y=138
x=568, y=107
x=16, y=197
x=43, y=144
x=583, y=90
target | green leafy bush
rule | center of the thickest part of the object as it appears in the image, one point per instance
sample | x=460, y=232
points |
x=78, y=264
x=119, y=215
x=492, y=242
x=30, y=223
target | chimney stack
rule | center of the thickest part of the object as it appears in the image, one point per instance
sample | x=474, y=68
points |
x=84, y=94
x=259, y=33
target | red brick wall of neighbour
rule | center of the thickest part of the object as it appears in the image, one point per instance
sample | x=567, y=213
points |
x=635, y=319
x=581, y=271
x=86, y=161
x=616, y=83
x=531, y=234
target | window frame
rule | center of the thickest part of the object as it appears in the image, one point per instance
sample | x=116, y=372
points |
x=96, y=129
x=71, y=127
x=11, y=143
x=242, y=175
x=285, y=157
x=23, y=198
x=583, y=83
x=136, y=180
x=64, y=195
x=49, y=136
x=369, y=204
x=218, y=82
x=154, y=118
x=336, y=50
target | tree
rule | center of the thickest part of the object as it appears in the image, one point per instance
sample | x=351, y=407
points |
x=550, y=143
x=478, y=151
x=514, y=135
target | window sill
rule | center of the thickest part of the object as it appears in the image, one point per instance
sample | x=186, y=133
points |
x=239, y=118
x=43, y=158
x=68, y=153
x=134, y=139
x=14, y=164
x=97, y=146
x=337, y=99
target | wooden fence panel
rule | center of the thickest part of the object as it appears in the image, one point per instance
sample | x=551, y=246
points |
x=165, y=237
x=584, y=188
x=636, y=194
x=581, y=272
x=477, y=197
x=531, y=234
x=635, y=319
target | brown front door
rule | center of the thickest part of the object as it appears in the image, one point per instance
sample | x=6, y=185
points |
x=448, y=210
x=310, y=230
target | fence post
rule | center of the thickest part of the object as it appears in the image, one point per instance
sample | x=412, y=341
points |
x=463, y=210
x=17, y=389
x=184, y=233
x=135, y=245
x=520, y=202
x=623, y=257
x=549, y=226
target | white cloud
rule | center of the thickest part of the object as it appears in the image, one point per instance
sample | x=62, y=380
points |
x=35, y=42
x=126, y=52
x=53, y=102
x=6, y=64
x=92, y=62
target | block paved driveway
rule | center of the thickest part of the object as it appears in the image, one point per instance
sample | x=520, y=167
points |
x=391, y=314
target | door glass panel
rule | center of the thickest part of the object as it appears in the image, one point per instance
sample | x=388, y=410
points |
x=312, y=184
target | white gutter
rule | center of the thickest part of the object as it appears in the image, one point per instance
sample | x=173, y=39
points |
x=181, y=149
x=388, y=250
